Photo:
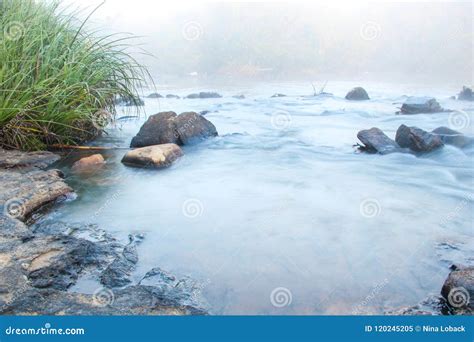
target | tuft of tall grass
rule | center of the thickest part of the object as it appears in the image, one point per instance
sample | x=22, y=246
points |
x=58, y=82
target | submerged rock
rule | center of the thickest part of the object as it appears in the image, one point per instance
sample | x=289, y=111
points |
x=157, y=156
x=458, y=289
x=357, y=94
x=417, y=139
x=155, y=96
x=375, y=141
x=278, y=95
x=204, y=95
x=167, y=127
x=419, y=105
x=466, y=94
x=89, y=164
x=172, y=96
x=452, y=137
x=239, y=97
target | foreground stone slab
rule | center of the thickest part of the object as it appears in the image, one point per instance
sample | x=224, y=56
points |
x=417, y=139
x=22, y=193
x=357, y=94
x=375, y=141
x=158, y=156
x=19, y=159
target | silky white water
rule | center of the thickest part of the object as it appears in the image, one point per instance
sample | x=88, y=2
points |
x=280, y=214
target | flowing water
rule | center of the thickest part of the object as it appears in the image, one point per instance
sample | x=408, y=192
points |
x=280, y=214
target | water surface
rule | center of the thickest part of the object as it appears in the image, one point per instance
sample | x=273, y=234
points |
x=281, y=202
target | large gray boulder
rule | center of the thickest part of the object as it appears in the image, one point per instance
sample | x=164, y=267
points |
x=417, y=139
x=357, y=94
x=375, y=141
x=419, y=105
x=452, y=137
x=157, y=156
x=466, y=94
x=159, y=129
x=169, y=128
x=458, y=289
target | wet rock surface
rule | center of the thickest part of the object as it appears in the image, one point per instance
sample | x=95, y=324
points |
x=17, y=159
x=204, y=95
x=421, y=105
x=376, y=141
x=452, y=137
x=157, y=156
x=357, y=94
x=169, y=128
x=458, y=289
x=278, y=95
x=155, y=96
x=466, y=94
x=417, y=139
x=41, y=264
x=89, y=164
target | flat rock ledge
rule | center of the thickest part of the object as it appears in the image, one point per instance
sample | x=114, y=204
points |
x=40, y=264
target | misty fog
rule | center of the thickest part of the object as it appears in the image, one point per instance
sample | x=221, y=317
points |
x=337, y=40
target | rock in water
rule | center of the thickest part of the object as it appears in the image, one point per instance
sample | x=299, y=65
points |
x=158, y=156
x=417, y=139
x=155, y=96
x=458, y=289
x=278, y=95
x=466, y=94
x=376, y=141
x=17, y=159
x=159, y=129
x=172, y=96
x=89, y=164
x=168, y=128
x=419, y=105
x=192, y=127
x=204, y=95
x=357, y=94
x=452, y=137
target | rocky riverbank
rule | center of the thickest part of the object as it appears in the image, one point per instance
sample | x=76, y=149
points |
x=40, y=264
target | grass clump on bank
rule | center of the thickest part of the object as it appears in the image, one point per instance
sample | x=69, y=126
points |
x=57, y=81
